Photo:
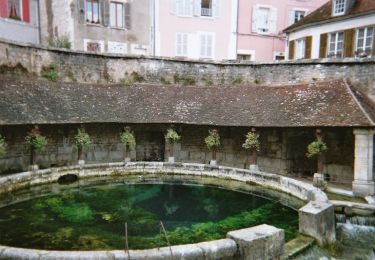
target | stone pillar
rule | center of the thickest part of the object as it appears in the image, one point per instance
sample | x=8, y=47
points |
x=363, y=184
x=317, y=219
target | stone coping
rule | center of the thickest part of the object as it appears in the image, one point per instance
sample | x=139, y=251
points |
x=218, y=249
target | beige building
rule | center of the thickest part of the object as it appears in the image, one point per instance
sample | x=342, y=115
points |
x=102, y=26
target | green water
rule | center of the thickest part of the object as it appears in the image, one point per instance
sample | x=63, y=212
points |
x=93, y=217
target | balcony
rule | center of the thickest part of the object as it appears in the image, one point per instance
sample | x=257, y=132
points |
x=206, y=12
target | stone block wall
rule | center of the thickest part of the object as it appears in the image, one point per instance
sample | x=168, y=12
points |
x=100, y=68
x=282, y=149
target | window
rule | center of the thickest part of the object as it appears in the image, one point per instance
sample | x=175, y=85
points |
x=206, y=43
x=243, y=57
x=184, y=7
x=117, y=47
x=92, y=11
x=182, y=44
x=338, y=7
x=298, y=15
x=14, y=9
x=93, y=47
x=364, y=41
x=336, y=44
x=264, y=19
x=117, y=15
x=206, y=8
x=300, y=48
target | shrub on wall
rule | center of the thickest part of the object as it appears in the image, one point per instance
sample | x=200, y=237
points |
x=316, y=148
x=60, y=42
x=36, y=141
x=82, y=139
x=127, y=138
x=213, y=139
x=252, y=142
x=3, y=146
x=172, y=136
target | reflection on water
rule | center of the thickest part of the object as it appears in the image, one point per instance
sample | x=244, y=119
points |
x=93, y=217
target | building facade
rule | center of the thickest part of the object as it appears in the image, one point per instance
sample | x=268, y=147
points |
x=339, y=29
x=19, y=20
x=196, y=29
x=260, y=25
x=101, y=26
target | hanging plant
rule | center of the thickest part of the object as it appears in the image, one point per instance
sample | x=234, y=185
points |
x=213, y=139
x=127, y=138
x=252, y=142
x=35, y=140
x=316, y=148
x=3, y=146
x=172, y=136
x=82, y=139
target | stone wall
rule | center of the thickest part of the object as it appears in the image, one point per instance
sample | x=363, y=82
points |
x=282, y=149
x=100, y=68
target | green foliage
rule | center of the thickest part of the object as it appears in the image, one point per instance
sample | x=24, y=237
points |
x=82, y=139
x=316, y=148
x=212, y=140
x=184, y=80
x=50, y=72
x=36, y=141
x=60, y=42
x=172, y=136
x=3, y=146
x=128, y=138
x=164, y=81
x=237, y=81
x=252, y=142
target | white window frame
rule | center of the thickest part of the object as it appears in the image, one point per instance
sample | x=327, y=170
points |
x=300, y=48
x=295, y=11
x=122, y=44
x=181, y=8
x=339, y=4
x=336, y=50
x=123, y=14
x=181, y=47
x=205, y=55
x=365, y=36
x=91, y=22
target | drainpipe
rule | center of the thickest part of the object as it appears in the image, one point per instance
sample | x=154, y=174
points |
x=39, y=26
x=237, y=34
x=153, y=28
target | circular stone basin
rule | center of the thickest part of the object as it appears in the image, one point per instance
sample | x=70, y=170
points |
x=93, y=216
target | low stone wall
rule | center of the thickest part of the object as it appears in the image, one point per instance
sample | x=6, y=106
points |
x=101, y=68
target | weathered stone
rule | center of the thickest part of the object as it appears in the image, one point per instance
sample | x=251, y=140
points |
x=317, y=219
x=260, y=242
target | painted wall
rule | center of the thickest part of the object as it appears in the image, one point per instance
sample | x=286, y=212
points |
x=316, y=31
x=263, y=47
x=24, y=30
x=222, y=25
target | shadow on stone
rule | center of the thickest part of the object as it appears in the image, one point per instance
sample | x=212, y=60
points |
x=67, y=179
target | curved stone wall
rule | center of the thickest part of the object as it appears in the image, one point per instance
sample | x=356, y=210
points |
x=239, y=243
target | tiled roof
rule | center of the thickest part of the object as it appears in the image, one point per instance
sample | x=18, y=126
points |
x=318, y=104
x=324, y=14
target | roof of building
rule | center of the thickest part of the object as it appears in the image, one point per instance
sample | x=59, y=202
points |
x=331, y=103
x=324, y=14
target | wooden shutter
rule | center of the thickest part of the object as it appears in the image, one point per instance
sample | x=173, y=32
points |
x=273, y=21
x=349, y=42
x=215, y=8
x=105, y=13
x=3, y=8
x=323, y=45
x=26, y=11
x=197, y=7
x=81, y=11
x=291, y=50
x=254, y=19
x=128, y=20
x=308, y=46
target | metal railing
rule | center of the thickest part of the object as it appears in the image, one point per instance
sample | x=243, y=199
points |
x=206, y=11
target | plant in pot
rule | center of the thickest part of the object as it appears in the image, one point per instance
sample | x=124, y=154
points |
x=172, y=137
x=317, y=149
x=213, y=142
x=3, y=146
x=252, y=144
x=37, y=143
x=82, y=140
x=128, y=139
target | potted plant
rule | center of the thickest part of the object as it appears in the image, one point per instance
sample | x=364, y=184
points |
x=3, y=146
x=128, y=139
x=81, y=140
x=317, y=149
x=172, y=137
x=252, y=144
x=213, y=142
x=36, y=143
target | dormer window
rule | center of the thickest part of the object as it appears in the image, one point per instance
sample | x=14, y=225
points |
x=338, y=7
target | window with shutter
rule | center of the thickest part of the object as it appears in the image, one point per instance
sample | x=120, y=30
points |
x=184, y=7
x=182, y=44
x=127, y=12
x=206, y=45
x=300, y=46
x=14, y=9
x=92, y=11
x=117, y=14
x=364, y=42
x=264, y=19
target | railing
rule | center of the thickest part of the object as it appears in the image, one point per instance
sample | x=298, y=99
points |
x=206, y=11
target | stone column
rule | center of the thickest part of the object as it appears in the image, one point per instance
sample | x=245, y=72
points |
x=363, y=184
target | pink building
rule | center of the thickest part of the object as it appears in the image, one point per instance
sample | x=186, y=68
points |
x=196, y=29
x=260, y=26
